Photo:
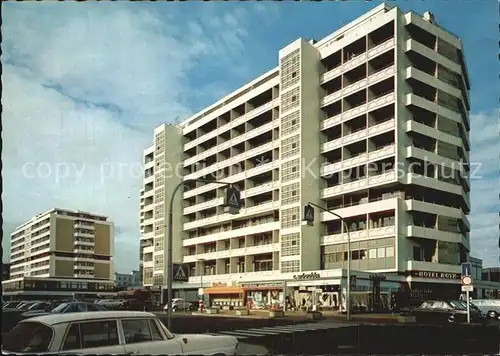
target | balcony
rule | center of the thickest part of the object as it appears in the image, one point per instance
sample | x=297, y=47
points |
x=234, y=178
x=358, y=235
x=354, y=62
x=149, y=179
x=83, y=243
x=374, y=180
x=222, y=235
x=205, y=205
x=250, y=250
x=229, y=143
x=358, y=135
x=428, y=156
x=238, y=121
x=245, y=212
x=435, y=234
x=79, y=225
x=438, y=209
x=234, y=160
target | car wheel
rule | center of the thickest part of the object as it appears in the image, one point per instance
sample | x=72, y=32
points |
x=192, y=307
x=174, y=309
x=492, y=314
x=451, y=319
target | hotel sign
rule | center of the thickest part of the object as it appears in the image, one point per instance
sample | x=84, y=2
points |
x=438, y=275
x=307, y=276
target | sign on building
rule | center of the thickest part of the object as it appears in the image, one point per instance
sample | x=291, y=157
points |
x=180, y=272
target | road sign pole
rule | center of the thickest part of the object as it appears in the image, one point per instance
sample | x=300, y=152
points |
x=468, y=307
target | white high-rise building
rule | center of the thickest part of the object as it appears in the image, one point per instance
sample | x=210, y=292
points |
x=372, y=122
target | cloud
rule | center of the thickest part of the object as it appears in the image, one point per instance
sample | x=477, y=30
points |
x=83, y=88
x=485, y=190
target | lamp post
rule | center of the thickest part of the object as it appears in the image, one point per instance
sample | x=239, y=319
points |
x=233, y=203
x=201, y=260
x=309, y=218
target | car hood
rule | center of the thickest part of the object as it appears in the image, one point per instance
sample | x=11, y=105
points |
x=35, y=313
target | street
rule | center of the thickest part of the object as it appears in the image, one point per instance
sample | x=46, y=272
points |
x=282, y=335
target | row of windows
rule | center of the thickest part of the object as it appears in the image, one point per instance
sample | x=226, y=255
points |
x=290, y=244
x=372, y=253
x=290, y=194
x=290, y=69
x=159, y=195
x=290, y=123
x=290, y=266
x=159, y=211
x=290, y=147
x=290, y=217
x=290, y=170
x=290, y=100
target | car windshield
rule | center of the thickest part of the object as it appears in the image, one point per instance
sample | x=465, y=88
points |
x=35, y=305
x=29, y=337
x=458, y=304
x=60, y=308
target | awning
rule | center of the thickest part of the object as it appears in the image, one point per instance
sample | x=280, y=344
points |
x=223, y=290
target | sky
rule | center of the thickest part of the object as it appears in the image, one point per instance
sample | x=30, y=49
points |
x=85, y=84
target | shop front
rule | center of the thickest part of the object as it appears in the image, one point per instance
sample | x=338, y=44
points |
x=426, y=285
x=224, y=295
x=264, y=295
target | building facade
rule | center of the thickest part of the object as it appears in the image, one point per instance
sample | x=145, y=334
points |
x=125, y=280
x=59, y=252
x=371, y=122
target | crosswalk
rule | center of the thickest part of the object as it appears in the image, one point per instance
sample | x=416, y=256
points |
x=277, y=330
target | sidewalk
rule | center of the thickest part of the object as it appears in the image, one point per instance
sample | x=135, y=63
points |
x=301, y=316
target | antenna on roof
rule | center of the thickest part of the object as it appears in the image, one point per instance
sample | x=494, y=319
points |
x=177, y=120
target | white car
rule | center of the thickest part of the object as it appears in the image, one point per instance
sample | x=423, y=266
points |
x=179, y=304
x=109, y=332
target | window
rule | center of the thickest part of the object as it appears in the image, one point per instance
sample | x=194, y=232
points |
x=73, y=340
x=372, y=253
x=99, y=334
x=381, y=252
x=30, y=337
x=136, y=330
x=389, y=252
x=155, y=332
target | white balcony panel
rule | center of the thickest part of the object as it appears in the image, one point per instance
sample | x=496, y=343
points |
x=412, y=99
x=205, y=205
x=382, y=127
x=412, y=45
x=355, y=61
x=331, y=121
x=329, y=168
x=250, y=250
x=263, y=188
x=381, y=101
x=331, y=74
x=351, y=113
x=381, y=48
x=361, y=209
x=355, y=136
x=330, y=98
x=383, y=152
x=331, y=145
x=148, y=264
x=383, y=178
x=381, y=75
x=354, y=87
x=149, y=165
x=412, y=125
x=149, y=249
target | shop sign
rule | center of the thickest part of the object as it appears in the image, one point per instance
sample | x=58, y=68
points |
x=307, y=276
x=219, y=284
x=263, y=285
x=440, y=275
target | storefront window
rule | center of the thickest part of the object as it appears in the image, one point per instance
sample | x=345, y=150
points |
x=389, y=252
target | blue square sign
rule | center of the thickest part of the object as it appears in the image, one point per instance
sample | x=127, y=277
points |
x=466, y=269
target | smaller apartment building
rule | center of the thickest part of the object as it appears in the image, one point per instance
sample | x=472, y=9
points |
x=59, y=252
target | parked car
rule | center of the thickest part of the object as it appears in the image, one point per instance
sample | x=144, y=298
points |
x=111, y=332
x=71, y=307
x=447, y=311
x=490, y=308
x=179, y=304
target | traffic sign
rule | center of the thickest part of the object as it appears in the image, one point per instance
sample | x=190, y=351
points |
x=200, y=291
x=467, y=288
x=466, y=269
x=309, y=215
x=233, y=201
x=466, y=280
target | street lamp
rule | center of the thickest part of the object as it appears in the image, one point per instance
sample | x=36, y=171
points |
x=309, y=218
x=201, y=260
x=233, y=205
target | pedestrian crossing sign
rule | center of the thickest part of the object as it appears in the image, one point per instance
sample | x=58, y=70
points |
x=180, y=273
x=233, y=201
x=309, y=215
